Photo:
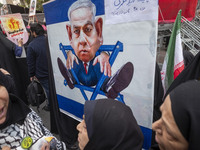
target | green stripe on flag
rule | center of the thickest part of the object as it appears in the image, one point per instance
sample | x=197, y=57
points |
x=171, y=51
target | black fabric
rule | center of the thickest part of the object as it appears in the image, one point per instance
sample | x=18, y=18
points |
x=23, y=69
x=17, y=111
x=24, y=78
x=8, y=82
x=61, y=123
x=89, y=109
x=30, y=38
x=188, y=57
x=36, y=93
x=185, y=102
x=158, y=95
x=192, y=71
x=113, y=126
x=11, y=64
x=154, y=147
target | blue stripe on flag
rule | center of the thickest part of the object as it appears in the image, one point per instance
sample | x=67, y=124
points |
x=57, y=11
x=147, y=137
x=70, y=106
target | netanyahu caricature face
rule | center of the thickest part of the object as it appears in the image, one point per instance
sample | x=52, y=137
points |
x=84, y=32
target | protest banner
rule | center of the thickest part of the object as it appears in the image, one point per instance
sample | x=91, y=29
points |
x=128, y=43
x=14, y=27
x=32, y=8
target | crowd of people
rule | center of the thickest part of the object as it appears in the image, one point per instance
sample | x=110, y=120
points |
x=107, y=123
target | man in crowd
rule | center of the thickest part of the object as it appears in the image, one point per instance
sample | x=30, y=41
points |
x=37, y=58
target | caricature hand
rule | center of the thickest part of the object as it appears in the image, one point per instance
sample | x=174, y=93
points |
x=70, y=60
x=103, y=59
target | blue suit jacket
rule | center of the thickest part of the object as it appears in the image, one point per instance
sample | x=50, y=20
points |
x=92, y=77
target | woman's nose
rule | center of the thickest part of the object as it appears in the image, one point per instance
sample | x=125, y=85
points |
x=79, y=126
x=157, y=125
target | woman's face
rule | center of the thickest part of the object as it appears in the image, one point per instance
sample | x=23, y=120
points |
x=4, y=100
x=83, y=135
x=168, y=135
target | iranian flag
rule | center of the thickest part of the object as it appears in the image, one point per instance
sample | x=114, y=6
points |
x=173, y=63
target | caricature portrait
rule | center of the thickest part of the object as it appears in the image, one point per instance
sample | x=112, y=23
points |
x=85, y=36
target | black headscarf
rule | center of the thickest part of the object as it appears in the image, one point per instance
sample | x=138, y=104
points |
x=17, y=109
x=185, y=101
x=111, y=126
x=7, y=82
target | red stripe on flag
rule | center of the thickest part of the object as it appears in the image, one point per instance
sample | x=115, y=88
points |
x=178, y=69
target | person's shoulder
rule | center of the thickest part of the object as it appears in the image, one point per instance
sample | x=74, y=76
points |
x=41, y=37
x=34, y=116
x=31, y=44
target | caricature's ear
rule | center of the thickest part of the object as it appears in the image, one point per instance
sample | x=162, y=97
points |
x=69, y=32
x=99, y=27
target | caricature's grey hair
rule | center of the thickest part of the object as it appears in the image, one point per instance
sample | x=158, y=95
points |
x=82, y=4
